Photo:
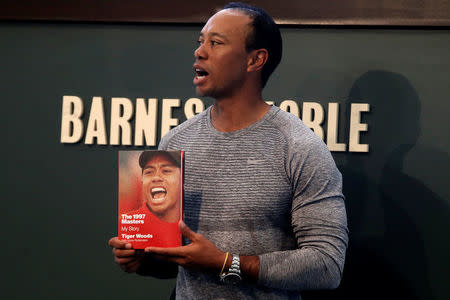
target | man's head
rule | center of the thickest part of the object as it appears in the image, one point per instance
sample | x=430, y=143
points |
x=238, y=45
x=264, y=35
x=161, y=183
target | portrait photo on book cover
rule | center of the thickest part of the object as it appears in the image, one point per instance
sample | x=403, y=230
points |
x=150, y=197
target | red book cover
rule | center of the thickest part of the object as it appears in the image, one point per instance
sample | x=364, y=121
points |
x=150, y=197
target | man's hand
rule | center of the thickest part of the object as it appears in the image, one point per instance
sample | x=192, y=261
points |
x=128, y=259
x=201, y=254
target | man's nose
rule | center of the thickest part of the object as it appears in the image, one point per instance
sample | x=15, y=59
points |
x=157, y=177
x=201, y=52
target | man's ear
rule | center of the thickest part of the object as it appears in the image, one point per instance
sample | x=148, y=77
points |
x=257, y=60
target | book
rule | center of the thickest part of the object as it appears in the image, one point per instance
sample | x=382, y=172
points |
x=151, y=197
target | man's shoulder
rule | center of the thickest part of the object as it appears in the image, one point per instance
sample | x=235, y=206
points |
x=295, y=132
x=182, y=128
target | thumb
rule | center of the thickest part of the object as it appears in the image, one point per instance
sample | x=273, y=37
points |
x=186, y=231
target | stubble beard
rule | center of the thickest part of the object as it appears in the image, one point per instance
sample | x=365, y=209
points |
x=219, y=93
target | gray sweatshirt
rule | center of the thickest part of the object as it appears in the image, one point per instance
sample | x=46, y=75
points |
x=271, y=189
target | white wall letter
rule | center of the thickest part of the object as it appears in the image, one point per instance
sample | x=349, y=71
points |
x=96, y=126
x=71, y=125
x=332, y=128
x=356, y=127
x=167, y=121
x=291, y=107
x=308, y=109
x=192, y=107
x=145, y=122
x=120, y=121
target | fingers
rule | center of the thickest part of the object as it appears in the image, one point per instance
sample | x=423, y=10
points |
x=166, y=252
x=130, y=266
x=175, y=259
x=121, y=248
x=118, y=244
x=123, y=253
x=186, y=231
x=125, y=260
x=128, y=260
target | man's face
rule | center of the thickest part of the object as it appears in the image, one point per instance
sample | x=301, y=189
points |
x=221, y=58
x=161, y=187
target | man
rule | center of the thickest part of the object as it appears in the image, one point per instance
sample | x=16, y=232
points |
x=259, y=184
x=161, y=190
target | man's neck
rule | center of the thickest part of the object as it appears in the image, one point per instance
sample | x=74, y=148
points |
x=231, y=114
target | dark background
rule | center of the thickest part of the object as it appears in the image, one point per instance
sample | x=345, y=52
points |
x=60, y=200
x=299, y=12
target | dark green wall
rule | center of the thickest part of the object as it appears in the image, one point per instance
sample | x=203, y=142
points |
x=60, y=200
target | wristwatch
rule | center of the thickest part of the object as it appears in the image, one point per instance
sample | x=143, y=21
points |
x=233, y=276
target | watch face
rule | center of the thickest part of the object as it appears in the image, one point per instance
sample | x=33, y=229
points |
x=232, y=278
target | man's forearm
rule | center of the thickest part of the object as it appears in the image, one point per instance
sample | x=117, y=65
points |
x=300, y=269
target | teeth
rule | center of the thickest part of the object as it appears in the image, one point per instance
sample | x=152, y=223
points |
x=158, y=189
x=200, y=72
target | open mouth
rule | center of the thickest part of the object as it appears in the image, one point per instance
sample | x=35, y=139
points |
x=200, y=73
x=158, y=194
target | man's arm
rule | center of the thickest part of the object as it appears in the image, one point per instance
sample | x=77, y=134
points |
x=319, y=224
x=201, y=254
x=317, y=264
x=321, y=233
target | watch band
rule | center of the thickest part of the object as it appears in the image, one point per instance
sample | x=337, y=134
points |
x=233, y=275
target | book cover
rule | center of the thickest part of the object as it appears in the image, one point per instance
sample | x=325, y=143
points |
x=150, y=197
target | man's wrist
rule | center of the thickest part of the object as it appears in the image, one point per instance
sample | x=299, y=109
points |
x=225, y=262
x=233, y=275
x=250, y=267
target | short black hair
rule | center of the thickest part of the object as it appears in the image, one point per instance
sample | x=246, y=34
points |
x=265, y=35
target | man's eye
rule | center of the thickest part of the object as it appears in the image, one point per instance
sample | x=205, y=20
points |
x=200, y=42
x=147, y=173
x=214, y=43
x=167, y=171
